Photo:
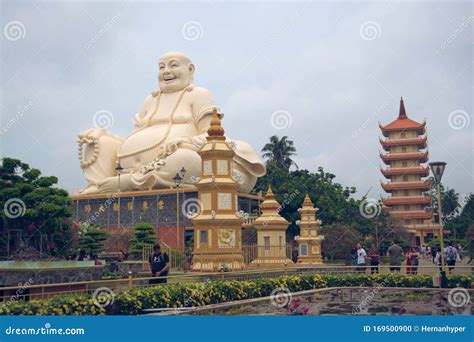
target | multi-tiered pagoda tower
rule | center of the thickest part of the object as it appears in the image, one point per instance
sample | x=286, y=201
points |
x=218, y=229
x=309, y=241
x=271, y=234
x=406, y=156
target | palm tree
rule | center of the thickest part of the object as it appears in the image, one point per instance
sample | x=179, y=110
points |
x=279, y=152
x=450, y=201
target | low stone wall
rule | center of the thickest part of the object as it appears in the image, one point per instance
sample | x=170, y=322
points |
x=50, y=276
x=125, y=267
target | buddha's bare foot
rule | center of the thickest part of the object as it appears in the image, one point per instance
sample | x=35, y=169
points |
x=90, y=189
x=111, y=184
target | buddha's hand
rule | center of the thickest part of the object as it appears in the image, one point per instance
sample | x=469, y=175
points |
x=93, y=134
x=199, y=141
x=174, y=144
x=155, y=165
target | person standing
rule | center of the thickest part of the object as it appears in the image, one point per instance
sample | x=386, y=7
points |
x=395, y=253
x=408, y=260
x=374, y=261
x=428, y=253
x=422, y=251
x=451, y=255
x=158, y=265
x=414, y=261
x=434, y=252
x=361, y=255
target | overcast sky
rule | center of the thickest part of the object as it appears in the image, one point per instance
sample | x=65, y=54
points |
x=322, y=73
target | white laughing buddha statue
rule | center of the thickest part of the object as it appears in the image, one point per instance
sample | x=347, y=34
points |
x=169, y=129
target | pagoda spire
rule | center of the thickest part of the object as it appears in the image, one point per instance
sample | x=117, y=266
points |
x=307, y=201
x=215, y=131
x=402, y=113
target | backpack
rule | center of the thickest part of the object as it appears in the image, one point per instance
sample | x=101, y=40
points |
x=451, y=253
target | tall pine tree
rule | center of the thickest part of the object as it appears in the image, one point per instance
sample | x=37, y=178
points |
x=144, y=235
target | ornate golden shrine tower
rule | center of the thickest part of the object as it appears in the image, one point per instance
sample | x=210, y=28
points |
x=217, y=229
x=309, y=241
x=271, y=234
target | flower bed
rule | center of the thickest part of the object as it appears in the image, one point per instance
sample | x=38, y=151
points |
x=133, y=301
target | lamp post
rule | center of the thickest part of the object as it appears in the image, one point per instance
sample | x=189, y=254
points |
x=119, y=170
x=177, y=181
x=437, y=168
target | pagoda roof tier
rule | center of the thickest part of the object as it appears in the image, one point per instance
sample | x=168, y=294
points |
x=403, y=123
x=422, y=171
x=422, y=157
x=419, y=141
x=407, y=200
x=389, y=187
x=412, y=215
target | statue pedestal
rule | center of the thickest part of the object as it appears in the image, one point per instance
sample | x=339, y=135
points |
x=211, y=260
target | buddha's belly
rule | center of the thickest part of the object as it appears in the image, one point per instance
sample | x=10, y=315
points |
x=143, y=146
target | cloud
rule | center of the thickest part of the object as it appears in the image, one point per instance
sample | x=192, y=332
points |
x=307, y=59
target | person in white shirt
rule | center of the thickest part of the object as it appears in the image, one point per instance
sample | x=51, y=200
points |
x=361, y=256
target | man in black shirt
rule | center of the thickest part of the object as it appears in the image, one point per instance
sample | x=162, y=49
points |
x=158, y=265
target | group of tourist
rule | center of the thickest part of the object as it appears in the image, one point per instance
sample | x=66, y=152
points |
x=83, y=256
x=396, y=255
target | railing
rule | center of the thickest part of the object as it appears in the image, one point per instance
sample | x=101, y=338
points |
x=181, y=259
x=44, y=291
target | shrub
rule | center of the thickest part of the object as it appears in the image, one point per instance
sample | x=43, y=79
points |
x=133, y=301
x=144, y=236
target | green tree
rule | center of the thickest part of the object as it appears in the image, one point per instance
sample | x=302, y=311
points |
x=144, y=235
x=463, y=217
x=91, y=239
x=450, y=201
x=279, y=152
x=33, y=206
x=338, y=241
x=336, y=203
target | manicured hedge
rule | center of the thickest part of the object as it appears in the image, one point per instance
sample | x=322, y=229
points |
x=133, y=301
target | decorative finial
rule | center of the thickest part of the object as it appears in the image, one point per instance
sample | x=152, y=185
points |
x=307, y=201
x=215, y=130
x=402, y=114
x=269, y=193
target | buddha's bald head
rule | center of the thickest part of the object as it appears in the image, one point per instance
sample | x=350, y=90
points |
x=175, y=72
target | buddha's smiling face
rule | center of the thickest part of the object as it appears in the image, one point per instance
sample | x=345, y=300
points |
x=175, y=72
